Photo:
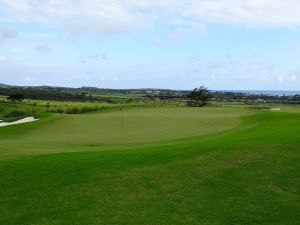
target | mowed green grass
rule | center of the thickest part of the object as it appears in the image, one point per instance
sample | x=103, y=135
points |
x=61, y=133
x=140, y=126
x=244, y=171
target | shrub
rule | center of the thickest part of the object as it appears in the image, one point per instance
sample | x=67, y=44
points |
x=15, y=113
x=75, y=109
x=192, y=103
x=17, y=97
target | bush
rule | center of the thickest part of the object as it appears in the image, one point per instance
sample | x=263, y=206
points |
x=15, y=113
x=195, y=103
x=201, y=94
x=16, y=97
x=75, y=109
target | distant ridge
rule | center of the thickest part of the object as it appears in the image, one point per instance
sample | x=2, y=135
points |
x=5, y=86
x=166, y=90
x=88, y=88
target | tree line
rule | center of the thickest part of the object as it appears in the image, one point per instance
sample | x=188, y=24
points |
x=17, y=94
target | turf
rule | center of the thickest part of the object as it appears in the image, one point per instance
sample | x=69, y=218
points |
x=142, y=127
x=246, y=172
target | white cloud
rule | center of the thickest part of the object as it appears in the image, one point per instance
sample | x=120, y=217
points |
x=182, y=32
x=105, y=16
x=8, y=33
x=28, y=79
x=4, y=20
x=12, y=59
x=90, y=57
x=250, y=12
x=212, y=76
x=3, y=58
x=115, y=16
x=282, y=78
x=17, y=49
x=195, y=57
x=43, y=48
x=40, y=35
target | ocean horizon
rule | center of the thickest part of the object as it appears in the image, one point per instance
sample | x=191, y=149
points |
x=264, y=92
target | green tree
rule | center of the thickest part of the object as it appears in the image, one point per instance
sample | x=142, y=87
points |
x=199, y=96
x=18, y=97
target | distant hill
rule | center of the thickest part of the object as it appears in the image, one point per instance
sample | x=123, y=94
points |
x=88, y=93
x=5, y=86
x=97, y=90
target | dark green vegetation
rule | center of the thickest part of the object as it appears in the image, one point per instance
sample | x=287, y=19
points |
x=93, y=94
x=17, y=97
x=10, y=111
x=212, y=165
x=199, y=96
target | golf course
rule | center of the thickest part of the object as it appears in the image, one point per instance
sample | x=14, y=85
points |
x=150, y=112
x=210, y=165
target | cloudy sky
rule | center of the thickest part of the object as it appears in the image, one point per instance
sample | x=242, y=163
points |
x=179, y=44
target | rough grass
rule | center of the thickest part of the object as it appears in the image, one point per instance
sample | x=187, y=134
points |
x=246, y=175
x=12, y=112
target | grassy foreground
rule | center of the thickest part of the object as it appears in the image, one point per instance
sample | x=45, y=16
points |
x=180, y=166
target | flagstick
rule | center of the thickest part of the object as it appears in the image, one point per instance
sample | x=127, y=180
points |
x=122, y=117
x=122, y=114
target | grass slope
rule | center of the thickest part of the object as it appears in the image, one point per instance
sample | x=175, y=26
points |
x=246, y=175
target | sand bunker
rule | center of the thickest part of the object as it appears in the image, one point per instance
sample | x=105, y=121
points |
x=275, y=109
x=24, y=120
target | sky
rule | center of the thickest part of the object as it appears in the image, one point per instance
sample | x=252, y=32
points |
x=176, y=44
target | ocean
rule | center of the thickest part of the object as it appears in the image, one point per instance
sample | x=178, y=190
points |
x=264, y=92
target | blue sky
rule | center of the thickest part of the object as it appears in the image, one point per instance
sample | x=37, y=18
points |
x=178, y=44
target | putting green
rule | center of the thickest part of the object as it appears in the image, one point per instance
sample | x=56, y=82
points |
x=141, y=126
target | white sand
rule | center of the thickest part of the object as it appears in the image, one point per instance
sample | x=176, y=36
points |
x=24, y=120
x=275, y=109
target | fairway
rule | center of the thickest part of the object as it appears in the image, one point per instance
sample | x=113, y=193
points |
x=211, y=165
